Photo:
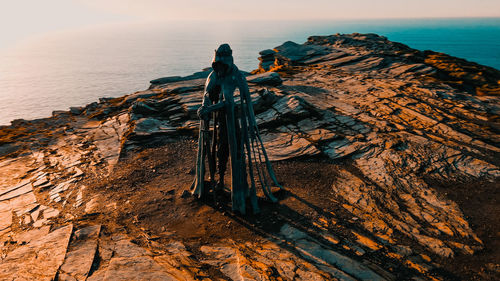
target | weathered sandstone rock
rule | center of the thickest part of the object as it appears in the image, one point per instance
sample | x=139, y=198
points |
x=395, y=120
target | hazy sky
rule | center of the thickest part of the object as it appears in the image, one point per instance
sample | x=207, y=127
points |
x=21, y=19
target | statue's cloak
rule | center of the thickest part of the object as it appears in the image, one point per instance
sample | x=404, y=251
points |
x=249, y=163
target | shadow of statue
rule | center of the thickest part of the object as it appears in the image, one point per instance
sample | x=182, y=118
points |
x=329, y=247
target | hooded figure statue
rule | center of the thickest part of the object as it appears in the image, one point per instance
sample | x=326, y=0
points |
x=228, y=130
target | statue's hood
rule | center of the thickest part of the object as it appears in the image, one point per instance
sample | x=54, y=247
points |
x=223, y=60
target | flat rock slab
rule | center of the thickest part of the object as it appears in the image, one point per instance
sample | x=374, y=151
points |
x=15, y=169
x=28, y=236
x=132, y=262
x=267, y=78
x=316, y=252
x=286, y=146
x=227, y=260
x=15, y=190
x=184, y=86
x=38, y=260
x=173, y=79
x=19, y=205
x=81, y=255
x=150, y=126
x=136, y=268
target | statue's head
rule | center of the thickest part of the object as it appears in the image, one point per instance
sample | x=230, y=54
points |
x=223, y=60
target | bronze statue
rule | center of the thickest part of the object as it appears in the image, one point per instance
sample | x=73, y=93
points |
x=228, y=129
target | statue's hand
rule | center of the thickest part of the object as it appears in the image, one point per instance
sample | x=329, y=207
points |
x=202, y=113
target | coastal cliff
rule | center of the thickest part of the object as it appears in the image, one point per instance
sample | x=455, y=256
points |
x=389, y=157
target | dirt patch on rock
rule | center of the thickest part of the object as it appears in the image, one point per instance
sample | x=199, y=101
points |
x=480, y=203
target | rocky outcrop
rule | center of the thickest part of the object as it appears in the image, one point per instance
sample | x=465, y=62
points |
x=267, y=78
x=375, y=54
x=395, y=120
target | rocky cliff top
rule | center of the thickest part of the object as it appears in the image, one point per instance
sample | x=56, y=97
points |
x=389, y=157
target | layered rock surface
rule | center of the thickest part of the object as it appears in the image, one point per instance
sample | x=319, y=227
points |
x=393, y=119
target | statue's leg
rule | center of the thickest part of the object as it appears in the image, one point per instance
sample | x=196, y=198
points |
x=238, y=193
x=222, y=150
x=246, y=147
x=241, y=156
x=268, y=163
x=197, y=188
x=213, y=148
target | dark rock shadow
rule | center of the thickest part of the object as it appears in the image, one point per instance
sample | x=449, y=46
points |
x=303, y=230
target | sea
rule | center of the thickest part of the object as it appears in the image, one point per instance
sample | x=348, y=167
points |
x=57, y=70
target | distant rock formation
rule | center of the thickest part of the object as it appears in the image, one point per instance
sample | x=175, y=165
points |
x=395, y=119
x=371, y=52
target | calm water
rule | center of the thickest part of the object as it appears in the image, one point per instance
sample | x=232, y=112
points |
x=55, y=71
